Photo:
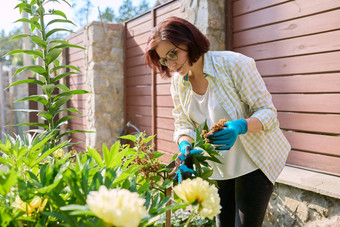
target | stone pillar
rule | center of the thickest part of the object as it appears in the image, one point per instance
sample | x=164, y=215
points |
x=104, y=75
x=209, y=17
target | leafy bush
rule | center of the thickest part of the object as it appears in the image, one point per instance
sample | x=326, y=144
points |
x=64, y=182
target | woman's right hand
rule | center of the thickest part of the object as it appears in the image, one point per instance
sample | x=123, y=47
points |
x=185, y=155
x=186, y=151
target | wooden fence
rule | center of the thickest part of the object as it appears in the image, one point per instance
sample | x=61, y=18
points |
x=148, y=102
x=75, y=57
x=296, y=48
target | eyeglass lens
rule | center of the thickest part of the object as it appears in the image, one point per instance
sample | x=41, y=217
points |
x=171, y=55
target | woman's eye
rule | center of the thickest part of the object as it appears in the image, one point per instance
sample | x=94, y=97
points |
x=172, y=55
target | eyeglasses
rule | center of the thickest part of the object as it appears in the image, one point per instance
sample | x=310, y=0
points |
x=171, y=55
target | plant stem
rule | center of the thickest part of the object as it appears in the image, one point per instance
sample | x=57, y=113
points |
x=189, y=220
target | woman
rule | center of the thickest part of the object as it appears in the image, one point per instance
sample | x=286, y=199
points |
x=212, y=85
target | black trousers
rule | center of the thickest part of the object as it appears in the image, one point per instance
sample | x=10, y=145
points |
x=244, y=200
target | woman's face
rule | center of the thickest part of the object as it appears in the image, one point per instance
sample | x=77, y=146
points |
x=175, y=58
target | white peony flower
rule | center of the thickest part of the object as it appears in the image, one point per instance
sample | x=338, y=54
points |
x=118, y=207
x=192, y=190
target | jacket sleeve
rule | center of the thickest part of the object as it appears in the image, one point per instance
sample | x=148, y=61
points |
x=183, y=125
x=252, y=91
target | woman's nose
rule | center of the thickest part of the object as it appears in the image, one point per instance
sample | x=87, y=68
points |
x=170, y=64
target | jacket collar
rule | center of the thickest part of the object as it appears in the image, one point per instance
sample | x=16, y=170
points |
x=207, y=66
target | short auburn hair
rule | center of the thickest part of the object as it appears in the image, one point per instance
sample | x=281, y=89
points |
x=177, y=31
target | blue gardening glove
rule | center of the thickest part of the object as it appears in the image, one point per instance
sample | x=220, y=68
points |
x=227, y=136
x=183, y=172
x=185, y=155
x=185, y=150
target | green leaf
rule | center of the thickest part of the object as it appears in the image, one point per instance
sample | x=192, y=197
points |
x=147, y=199
x=64, y=67
x=61, y=101
x=56, y=30
x=29, y=52
x=9, y=182
x=79, y=92
x=73, y=110
x=144, y=187
x=28, y=81
x=147, y=140
x=167, y=183
x=52, y=55
x=126, y=174
x=107, y=155
x=71, y=93
x=60, y=76
x=56, y=63
x=33, y=124
x=37, y=98
x=155, y=203
x=78, y=210
x=96, y=157
x=47, y=153
x=56, y=180
x=24, y=7
x=63, y=87
x=174, y=207
x=33, y=2
x=48, y=89
x=206, y=173
x=157, y=154
x=35, y=68
x=60, y=21
x=37, y=40
x=114, y=151
x=59, y=41
x=69, y=46
x=19, y=36
x=46, y=115
x=64, y=119
x=163, y=203
x=32, y=22
x=59, y=13
x=129, y=137
x=61, y=216
x=21, y=5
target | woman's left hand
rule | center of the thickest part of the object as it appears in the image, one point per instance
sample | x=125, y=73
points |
x=228, y=135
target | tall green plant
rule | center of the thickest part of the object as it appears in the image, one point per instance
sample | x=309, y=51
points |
x=50, y=72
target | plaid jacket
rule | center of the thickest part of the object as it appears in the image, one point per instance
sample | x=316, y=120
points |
x=242, y=93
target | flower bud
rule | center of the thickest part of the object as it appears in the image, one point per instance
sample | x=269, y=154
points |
x=58, y=153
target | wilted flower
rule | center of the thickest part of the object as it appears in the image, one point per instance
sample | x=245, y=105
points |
x=18, y=203
x=118, y=207
x=198, y=190
x=36, y=203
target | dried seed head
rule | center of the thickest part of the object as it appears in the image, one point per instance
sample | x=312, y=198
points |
x=215, y=128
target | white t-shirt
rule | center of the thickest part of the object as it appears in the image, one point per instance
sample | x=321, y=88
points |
x=235, y=162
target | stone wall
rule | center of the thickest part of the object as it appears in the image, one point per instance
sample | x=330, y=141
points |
x=209, y=17
x=290, y=206
x=104, y=75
